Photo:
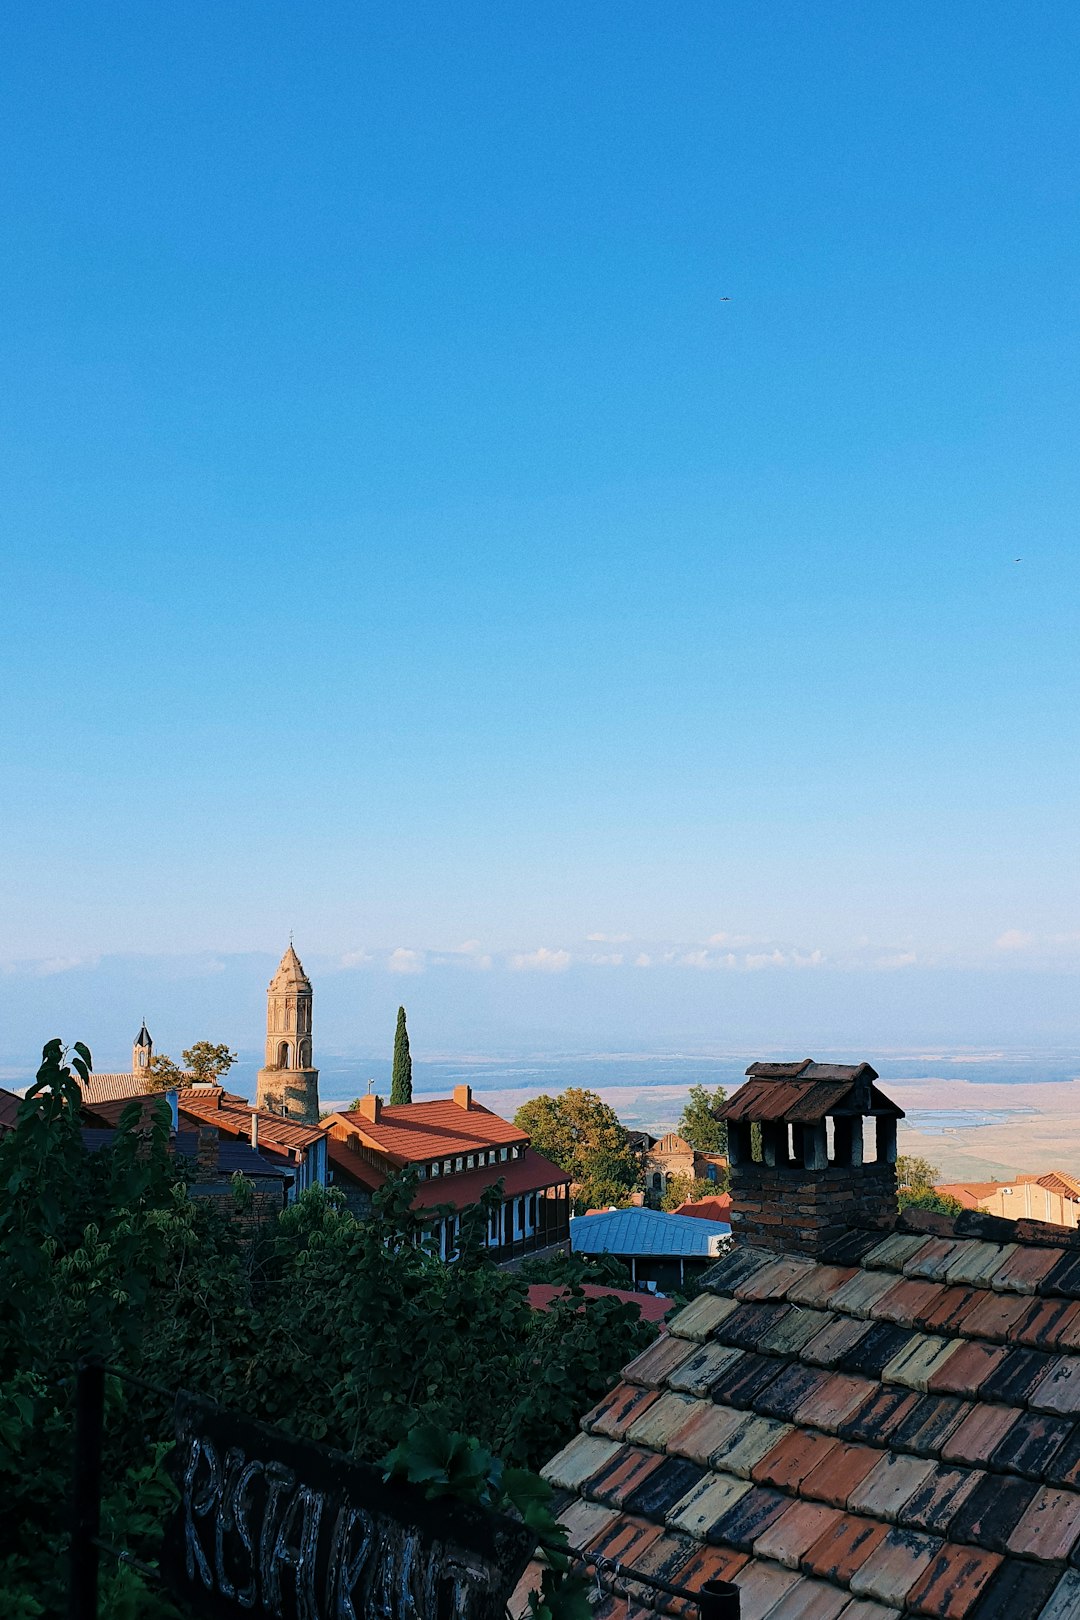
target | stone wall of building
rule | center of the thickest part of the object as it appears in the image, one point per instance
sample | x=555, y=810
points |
x=787, y=1207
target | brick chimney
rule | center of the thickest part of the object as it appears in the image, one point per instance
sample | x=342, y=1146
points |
x=463, y=1096
x=206, y=1153
x=369, y=1107
x=796, y=1145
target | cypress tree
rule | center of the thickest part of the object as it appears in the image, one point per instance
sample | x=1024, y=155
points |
x=401, y=1079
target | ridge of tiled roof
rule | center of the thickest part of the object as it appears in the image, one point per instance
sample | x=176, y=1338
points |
x=233, y=1115
x=417, y=1131
x=889, y=1429
x=107, y=1087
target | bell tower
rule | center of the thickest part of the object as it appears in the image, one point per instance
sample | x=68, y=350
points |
x=141, y=1053
x=287, y=1084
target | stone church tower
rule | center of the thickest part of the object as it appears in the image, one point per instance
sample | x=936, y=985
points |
x=141, y=1053
x=288, y=1084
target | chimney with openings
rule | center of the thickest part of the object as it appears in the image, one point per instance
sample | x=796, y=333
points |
x=803, y=1166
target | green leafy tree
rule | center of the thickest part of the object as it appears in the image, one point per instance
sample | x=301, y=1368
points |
x=401, y=1078
x=164, y=1073
x=582, y=1134
x=687, y=1190
x=700, y=1123
x=916, y=1187
x=330, y=1327
x=208, y=1063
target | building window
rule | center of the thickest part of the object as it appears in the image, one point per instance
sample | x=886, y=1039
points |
x=658, y=1182
x=458, y=1163
x=470, y=1162
x=435, y=1168
x=503, y=1153
x=422, y=1172
x=447, y=1166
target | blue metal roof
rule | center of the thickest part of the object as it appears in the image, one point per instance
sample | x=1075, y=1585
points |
x=645, y=1231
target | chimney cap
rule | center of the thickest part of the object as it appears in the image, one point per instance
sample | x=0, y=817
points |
x=804, y=1093
x=369, y=1107
x=463, y=1096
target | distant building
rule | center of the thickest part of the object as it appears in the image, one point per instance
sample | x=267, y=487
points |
x=1053, y=1196
x=289, y=1144
x=708, y=1209
x=666, y=1250
x=666, y=1157
x=287, y=1083
x=459, y=1149
x=135, y=1083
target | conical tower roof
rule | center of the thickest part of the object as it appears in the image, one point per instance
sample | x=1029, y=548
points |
x=143, y=1037
x=290, y=974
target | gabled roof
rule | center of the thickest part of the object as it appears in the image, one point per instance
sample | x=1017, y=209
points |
x=531, y=1173
x=346, y=1165
x=413, y=1133
x=645, y=1231
x=9, y=1109
x=892, y=1429
x=651, y=1307
x=211, y=1105
x=709, y=1209
x=805, y=1093
x=104, y=1087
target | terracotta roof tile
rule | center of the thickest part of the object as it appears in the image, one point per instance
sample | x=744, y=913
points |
x=788, y=1538
x=745, y=1326
x=840, y=1473
x=673, y=1480
x=1050, y=1528
x=935, y=1504
x=867, y=1609
x=907, y=1299
x=762, y=1586
x=978, y=1263
x=704, y=1564
x=698, y=1319
x=827, y=1407
x=665, y=1556
x=894, y=1251
x=888, y=1486
x=859, y=1296
x=738, y=1264
x=834, y=1339
x=788, y=1336
x=699, y=1374
x=948, y=1313
x=706, y=1429
x=625, y=1538
x=699, y=1508
x=1024, y=1269
x=583, y=1520
x=619, y=1478
x=916, y=1363
x=1016, y=1590
x=582, y=1457
x=742, y=1382
x=665, y=1417
x=850, y=1248
x=751, y=1516
x=1064, y=1466
x=965, y=1371
x=745, y=1447
x=810, y=1599
x=1058, y=1390
x=953, y=1582
x=880, y=1414
x=874, y=1349
x=1063, y=1277
x=844, y=1547
x=992, y=1511
x=1015, y=1376
x=1030, y=1445
x=789, y=1462
x=772, y=1281
x=1046, y=1325
x=934, y=1259
x=992, y=1316
x=895, y=1566
x=783, y=1397
x=928, y=1426
x=613, y=1415
x=1064, y=1603
x=661, y=1358
x=819, y=1284
x=981, y=1431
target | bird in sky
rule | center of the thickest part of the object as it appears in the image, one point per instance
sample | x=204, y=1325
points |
x=725, y=299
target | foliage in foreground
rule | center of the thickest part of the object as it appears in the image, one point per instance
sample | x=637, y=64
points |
x=334, y=1329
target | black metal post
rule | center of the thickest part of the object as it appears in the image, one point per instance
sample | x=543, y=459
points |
x=86, y=1496
x=718, y=1600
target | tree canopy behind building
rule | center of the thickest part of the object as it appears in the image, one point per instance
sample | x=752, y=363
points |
x=700, y=1123
x=582, y=1134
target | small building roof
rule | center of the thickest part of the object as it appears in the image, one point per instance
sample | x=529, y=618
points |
x=805, y=1093
x=708, y=1209
x=211, y=1105
x=9, y=1109
x=645, y=1232
x=413, y=1133
x=105, y=1087
x=531, y=1173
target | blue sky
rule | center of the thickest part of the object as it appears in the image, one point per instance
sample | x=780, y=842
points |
x=405, y=542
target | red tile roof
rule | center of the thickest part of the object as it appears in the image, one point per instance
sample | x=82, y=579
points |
x=213, y=1106
x=531, y=1173
x=709, y=1209
x=413, y=1133
x=349, y=1166
x=652, y=1307
x=893, y=1428
x=105, y=1087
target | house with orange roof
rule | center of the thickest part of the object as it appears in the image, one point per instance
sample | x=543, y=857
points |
x=299, y=1148
x=459, y=1149
x=1052, y=1196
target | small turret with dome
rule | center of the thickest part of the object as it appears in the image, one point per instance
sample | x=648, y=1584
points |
x=288, y=1084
